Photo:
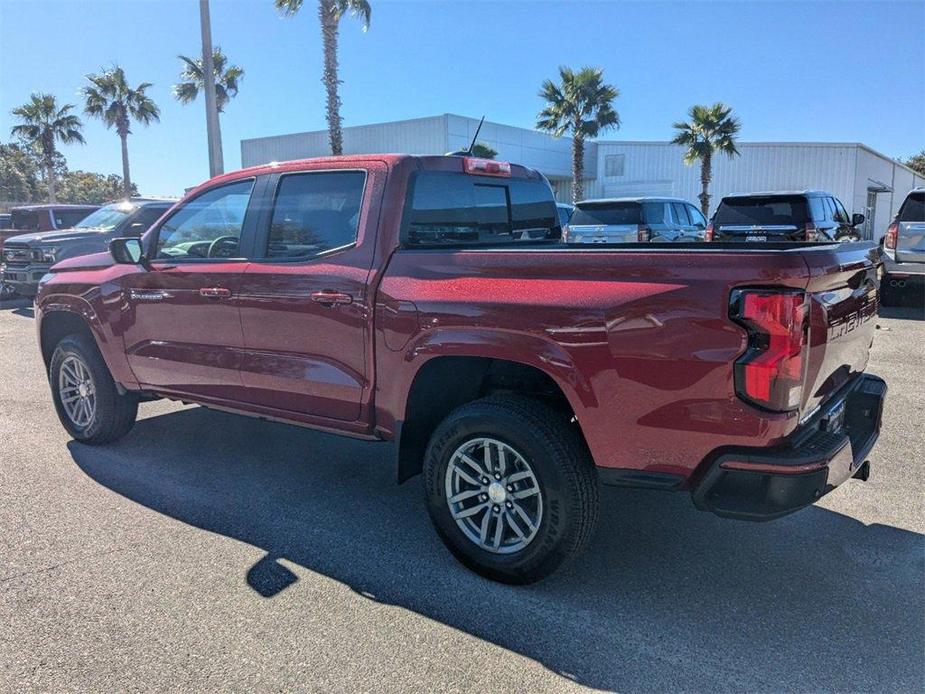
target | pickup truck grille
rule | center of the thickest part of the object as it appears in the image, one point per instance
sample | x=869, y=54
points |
x=20, y=256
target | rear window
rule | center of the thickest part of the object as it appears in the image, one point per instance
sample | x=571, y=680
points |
x=607, y=213
x=26, y=220
x=452, y=208
x=767, y=211
x=913, y=209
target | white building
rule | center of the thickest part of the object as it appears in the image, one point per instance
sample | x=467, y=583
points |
x=863, y=179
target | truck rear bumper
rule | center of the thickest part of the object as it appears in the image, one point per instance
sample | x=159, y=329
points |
x=762, y=484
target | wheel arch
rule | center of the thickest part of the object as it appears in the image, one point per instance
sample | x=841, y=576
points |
x=444, y=382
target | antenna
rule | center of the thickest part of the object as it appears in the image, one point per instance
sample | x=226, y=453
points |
x=468, y=152
x=476, y=136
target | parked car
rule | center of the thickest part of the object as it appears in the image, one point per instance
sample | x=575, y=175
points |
x=806, y=215
x=48, y=217
x=6, y=220
x=27, y=257
x=390, y=297
x=904, y=246
x=636, y=220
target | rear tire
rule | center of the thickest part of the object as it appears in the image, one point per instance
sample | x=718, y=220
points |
x=537, y=483
x=85, y=395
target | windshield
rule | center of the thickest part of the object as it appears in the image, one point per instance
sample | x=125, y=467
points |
x=108, y=217
x=781, y=210
x=607, y=213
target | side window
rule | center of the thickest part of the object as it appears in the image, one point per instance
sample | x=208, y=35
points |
x=829, y=208
x=208, y=226
x=840, y=214
x=655, y=212
x=315, y=212
x=143, y=219
x=817, y=209
x=680, y=213
x=64, y=219
x=696, y=216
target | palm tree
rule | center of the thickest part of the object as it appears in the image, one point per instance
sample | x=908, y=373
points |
x=110, y=99
x=710, y=129
x=226, y=79
x=43, y=124
x=581, y=105
x=329, y=14
x=483, y=151
x=193, y=82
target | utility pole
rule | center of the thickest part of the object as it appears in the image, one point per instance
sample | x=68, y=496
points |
x=213, y=133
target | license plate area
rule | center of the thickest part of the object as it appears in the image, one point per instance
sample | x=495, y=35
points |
x=833, y=421
x=756, y=237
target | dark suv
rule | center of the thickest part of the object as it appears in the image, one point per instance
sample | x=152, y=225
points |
x=808, y=215
x=27, y=257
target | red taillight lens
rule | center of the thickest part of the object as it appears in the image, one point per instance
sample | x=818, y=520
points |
x=486, y=167
x=708, y=234
x=812, y=234
x=642, y=234
x=892, y=234
x=770, y=373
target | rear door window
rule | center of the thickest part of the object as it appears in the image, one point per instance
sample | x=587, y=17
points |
x=680, y=214
x=913, y=209
x=783, y=210
x=315, y=212
x=451, y=208
x=606, y=213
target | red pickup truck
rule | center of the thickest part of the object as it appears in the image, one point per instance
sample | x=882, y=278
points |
x=428, y=301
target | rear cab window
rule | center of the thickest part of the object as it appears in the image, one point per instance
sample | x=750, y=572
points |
x=607, y=213
x=913, y=209
x=448, y=208
x=779, y=210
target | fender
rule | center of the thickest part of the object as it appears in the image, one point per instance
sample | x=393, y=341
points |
x=397, y=370
x=89, y=306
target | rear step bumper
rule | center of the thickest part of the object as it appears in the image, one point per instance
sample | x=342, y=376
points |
x=762, y=484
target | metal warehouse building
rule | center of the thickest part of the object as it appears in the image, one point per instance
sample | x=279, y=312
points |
x=863, y=179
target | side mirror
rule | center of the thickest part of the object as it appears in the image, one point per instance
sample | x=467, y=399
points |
x=857, y=219
x=126, y=251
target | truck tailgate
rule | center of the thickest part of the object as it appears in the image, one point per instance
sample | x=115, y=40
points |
x=843, y=296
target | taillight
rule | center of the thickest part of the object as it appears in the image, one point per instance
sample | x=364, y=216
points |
x=642, y=234
x=770, y=372
x=486, y=167
x=812, y=233
x=892, y=234
x=708, y=234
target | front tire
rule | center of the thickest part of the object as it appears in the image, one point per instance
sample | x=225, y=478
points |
x=85, y=395
x=510, y=488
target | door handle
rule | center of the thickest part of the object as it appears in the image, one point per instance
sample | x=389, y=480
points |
x=331, y=298
x=215, y=292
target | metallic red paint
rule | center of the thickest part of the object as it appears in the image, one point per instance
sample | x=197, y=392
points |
x=638, y=339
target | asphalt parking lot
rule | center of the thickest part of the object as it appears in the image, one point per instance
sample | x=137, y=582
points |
x=210, y=551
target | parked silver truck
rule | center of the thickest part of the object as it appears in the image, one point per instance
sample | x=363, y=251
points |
x=904, y=247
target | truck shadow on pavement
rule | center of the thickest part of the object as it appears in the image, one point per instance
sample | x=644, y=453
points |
x=665, y=598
